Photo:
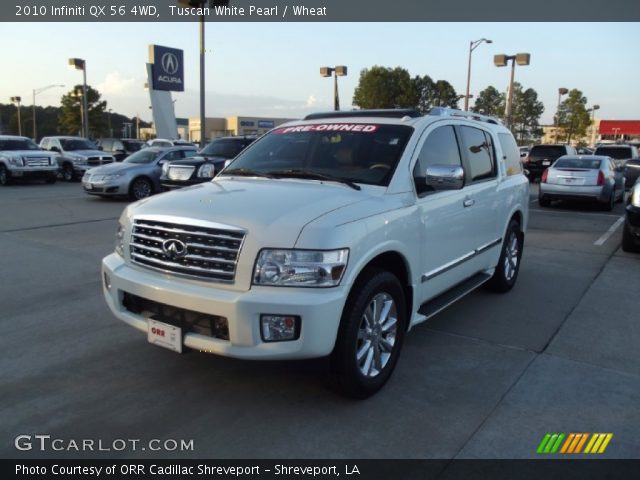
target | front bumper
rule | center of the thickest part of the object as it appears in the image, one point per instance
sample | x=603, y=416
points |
x=319, y=309
x=175, y=184
x=566, y=192
x=33, y=172
x=105, y=188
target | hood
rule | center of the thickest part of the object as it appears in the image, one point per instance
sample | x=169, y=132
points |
x=87, y=153
x=117, y=167
x=28, y=153
x=273, y=212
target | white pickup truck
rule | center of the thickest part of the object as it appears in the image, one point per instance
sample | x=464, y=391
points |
x=330, y=236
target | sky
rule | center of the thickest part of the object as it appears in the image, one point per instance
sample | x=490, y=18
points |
x=272, y=69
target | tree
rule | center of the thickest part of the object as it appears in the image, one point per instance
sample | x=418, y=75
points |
x=70, y=120
x=490, y=102
x=426, y=93
x=446, y=95
x=573, y=118
x=526, y=113
x=382, y=87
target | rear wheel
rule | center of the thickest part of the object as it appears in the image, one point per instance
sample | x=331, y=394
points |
x=370, y=337
x=506, y=273
x=611, y=202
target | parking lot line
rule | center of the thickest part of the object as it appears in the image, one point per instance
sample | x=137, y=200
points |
x=609, y=232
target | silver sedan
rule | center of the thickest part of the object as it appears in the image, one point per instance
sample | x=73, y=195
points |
x=137, y=177
x=592, y=177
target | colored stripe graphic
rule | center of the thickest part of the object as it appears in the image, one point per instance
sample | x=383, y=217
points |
x=573, y=443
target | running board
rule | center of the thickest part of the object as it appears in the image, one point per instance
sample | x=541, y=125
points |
x=442, y=301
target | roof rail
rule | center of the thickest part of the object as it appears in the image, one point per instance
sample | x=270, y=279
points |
x=389, y=113
x=453, y=112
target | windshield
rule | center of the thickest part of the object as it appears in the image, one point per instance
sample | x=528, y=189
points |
x=132, y=145
x=223, y=148
x=70, y=144
x=142, y=156
x=592, y=164
x=362, y=153
x=614, y=152
x=18, y=144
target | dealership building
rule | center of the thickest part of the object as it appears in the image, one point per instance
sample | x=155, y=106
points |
x=221, y=127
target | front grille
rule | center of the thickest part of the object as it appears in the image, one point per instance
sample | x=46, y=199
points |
x=204, y=252
x=180, y=173
x=189, y=320
x=95, y=161
x=37, y=162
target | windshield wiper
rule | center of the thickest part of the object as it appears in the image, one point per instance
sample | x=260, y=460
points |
x=246, y=172
x=297, y=173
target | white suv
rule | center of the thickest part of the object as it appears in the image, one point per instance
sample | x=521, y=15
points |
x=334, y=235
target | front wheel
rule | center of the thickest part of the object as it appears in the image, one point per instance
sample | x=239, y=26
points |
x=140, y=188
x=370, y=337
x=5, y=177
x=506, y=273
x=628, y=242
x=67, y=173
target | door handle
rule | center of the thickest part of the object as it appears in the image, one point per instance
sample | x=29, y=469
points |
x=468, y=202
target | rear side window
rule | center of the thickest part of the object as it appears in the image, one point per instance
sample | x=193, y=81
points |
x=511, y=154
x=478, y=150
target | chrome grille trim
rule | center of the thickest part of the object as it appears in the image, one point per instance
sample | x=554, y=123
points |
x=212, y=250
x=37, y=162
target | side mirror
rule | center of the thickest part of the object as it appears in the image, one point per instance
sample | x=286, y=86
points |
x=55, y=149
x=100, y=148
x=444, y=177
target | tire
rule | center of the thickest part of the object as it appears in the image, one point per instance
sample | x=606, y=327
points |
x=506, y=273
x=140, y=188
x=611, y=202
x=5, y=176
x=544, y=201
x=621, y=199
x=628, y=242
x=67, y=173
x=370, y=337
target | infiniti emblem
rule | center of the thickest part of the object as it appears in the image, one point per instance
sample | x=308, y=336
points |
x=169, y=63
x=174, y=248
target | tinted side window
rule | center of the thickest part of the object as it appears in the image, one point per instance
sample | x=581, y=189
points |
x=511, y=154
x=478, y=150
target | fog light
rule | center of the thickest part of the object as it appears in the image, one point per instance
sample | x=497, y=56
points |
x=279, y=328
x=107, y=282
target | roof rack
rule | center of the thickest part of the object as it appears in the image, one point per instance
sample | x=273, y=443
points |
x=452, y=112
x=389, y=113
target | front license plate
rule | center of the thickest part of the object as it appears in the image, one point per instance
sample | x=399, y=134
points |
x=164, y=335
x=546, y=163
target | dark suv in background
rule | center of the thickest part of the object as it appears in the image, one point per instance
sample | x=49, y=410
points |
x=120, y=148
x=620, y=154
x=205, y=165
x=542, y=157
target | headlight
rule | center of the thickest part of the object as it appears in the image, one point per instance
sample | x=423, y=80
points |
x=112, y=176
x=207, y=170
x=120, y=240
x=18, y=162
x=635, y=197
x=300, y=268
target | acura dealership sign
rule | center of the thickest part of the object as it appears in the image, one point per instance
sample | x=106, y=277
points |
x=167, y=68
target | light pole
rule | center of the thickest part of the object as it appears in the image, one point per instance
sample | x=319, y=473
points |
x=556, y=121
x=78, y=94
x=615, y=133
x=472, y=47
x=80, y=64
x=501, y=61
x=17, y=101
x=339, y=71
x=36, y=91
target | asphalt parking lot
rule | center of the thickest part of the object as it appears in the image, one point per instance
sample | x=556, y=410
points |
x=486, y=378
